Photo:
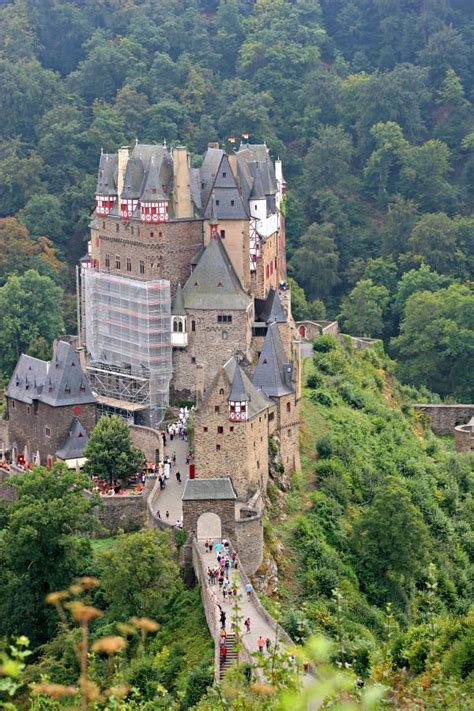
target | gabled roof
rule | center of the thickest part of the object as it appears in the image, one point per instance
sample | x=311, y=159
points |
x=273, y=372
x=58, y=382
x=26, y=383
x=214, y=284
x=270, y=310
x=256, y=173
x=177, y=307
x=107, y=176
x=65, y=383
x=209, y=489
x=76, y=440
x=225, y=191
x=257, y=400
x=152, y=189
x=149, y=167
x=238, y=392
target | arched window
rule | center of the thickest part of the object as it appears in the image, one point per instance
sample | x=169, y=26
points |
x=175, y=326
x=221, y=391
x=180, y=326
x=288, y=407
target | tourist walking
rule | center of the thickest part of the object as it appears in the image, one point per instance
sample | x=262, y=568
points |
x=260, y=644
x=268, y=644
x=167, y=514
x=178, y=477
x=223, y=653
x=248, y=590
x=247, y=625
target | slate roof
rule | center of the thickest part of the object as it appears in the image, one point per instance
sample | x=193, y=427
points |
x=273, y=372
x=107, y=176
x=238, y=392
x=26, y=383
x=257, y=400
x=58, y=382
x=208, y=172
x=74, y=443
x=209, y=489
x=177, y=307
x=149, y=167
x=214, y=284
x=225, y=191
x=256, y=172
x=270, y=309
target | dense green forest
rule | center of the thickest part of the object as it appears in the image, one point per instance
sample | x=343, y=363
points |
x=374, y=543
x=368, y=103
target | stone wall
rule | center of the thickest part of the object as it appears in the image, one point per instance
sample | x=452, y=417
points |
x=166, y=249
x=309, y=330
x=288, y=424
x=149, y=441
x=249, y=540
x=124, y=513
x=444, y=418
x=27, y=426
x=224, y=508
x=464, y=437
x=210, y=344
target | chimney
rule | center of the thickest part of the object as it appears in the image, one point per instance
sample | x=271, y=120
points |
x=232, y=156
x=213, y=144
x=183, y=206
x=199, y=384
x=123, y=155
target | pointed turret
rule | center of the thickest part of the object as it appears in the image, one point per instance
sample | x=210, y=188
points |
x=273, y=373
x=177, y=307
x=238, y=398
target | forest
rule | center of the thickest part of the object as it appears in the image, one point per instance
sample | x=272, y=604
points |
x=368, y=103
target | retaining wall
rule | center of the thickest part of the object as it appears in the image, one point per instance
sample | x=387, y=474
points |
x=464, y=437
x=149, y=441
x=444, y=418
x=249, y=539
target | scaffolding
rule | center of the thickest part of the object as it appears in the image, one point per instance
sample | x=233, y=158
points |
x=128, y=340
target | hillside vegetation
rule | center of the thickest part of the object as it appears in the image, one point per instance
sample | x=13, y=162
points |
x=375, y=542
x=368, y=103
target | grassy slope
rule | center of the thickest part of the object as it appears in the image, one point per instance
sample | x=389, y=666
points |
x=370, y=432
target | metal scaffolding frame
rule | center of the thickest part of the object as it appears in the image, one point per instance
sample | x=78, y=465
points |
x=127, y=329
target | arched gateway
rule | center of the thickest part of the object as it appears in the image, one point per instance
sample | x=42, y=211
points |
x=209, y=508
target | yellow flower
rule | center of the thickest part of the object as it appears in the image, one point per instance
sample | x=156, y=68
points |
x=55, y=597
x=145, y=624
x=55, y=691
x=87, y=582
x=83, y=613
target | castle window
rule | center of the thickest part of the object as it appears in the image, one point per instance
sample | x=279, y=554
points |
x=232, y=202
x=221, y=391
x=129, y=264
x=216, y=408
x=256, y=207
x=107, y=261
x=117, y=262
x=222, y=234
x=258, y=464
x=289, y=433
x=47, y=431
x=224, y=174
x=204, y=429
x=288, y=407
x=224, y=318
x=193, y=325
x=218, y=447
x=13, y=404
x=217, y=202
x=193, y=360
x=117, y=227
x=231, y=429
x=131, y=229
x=28, y=409
x=160, y=234
x=220, y=430
x=103, y=225
x=142, y=266
x=152, y=234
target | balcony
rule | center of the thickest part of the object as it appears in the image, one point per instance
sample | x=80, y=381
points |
x=179, y=339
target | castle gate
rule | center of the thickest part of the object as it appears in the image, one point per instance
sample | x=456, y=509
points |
x=209, y=508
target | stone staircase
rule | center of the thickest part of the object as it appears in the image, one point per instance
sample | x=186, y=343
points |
x=231, y=655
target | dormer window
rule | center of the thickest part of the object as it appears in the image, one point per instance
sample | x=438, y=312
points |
x=82, y=388
x=224, y=174
x=67, y=388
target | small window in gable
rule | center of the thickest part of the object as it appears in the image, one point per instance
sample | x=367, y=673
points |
x=216, y=408
x=220, y=430
x=224, y=174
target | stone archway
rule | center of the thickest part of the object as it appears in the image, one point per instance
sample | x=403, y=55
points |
x=302, y=330
x=209, y=525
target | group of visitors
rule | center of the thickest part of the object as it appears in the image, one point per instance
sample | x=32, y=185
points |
x=115, y=488
x=178, y=428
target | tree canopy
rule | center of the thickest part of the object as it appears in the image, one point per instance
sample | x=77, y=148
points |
x=109, y=450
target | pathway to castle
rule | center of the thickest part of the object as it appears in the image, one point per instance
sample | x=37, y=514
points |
x=170, y=500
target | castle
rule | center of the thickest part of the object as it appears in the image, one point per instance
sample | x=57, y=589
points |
x=180, y=300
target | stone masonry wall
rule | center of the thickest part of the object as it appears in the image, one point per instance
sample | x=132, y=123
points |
x=288, y=421
x=249, y=542
x=28, y=427
x=211, y=344
x=444, y=418
x=149, y=441
x=464, y=438
x=225, y=509
x=166, y=249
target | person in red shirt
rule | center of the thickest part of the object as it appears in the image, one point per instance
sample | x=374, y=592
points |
x=260, y=643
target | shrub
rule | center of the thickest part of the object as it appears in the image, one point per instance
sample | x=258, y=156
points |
x=324, y=447
x=352, y=397
x=330, y=363
x=322, y=397
x=314, y=381
x=326, y=343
